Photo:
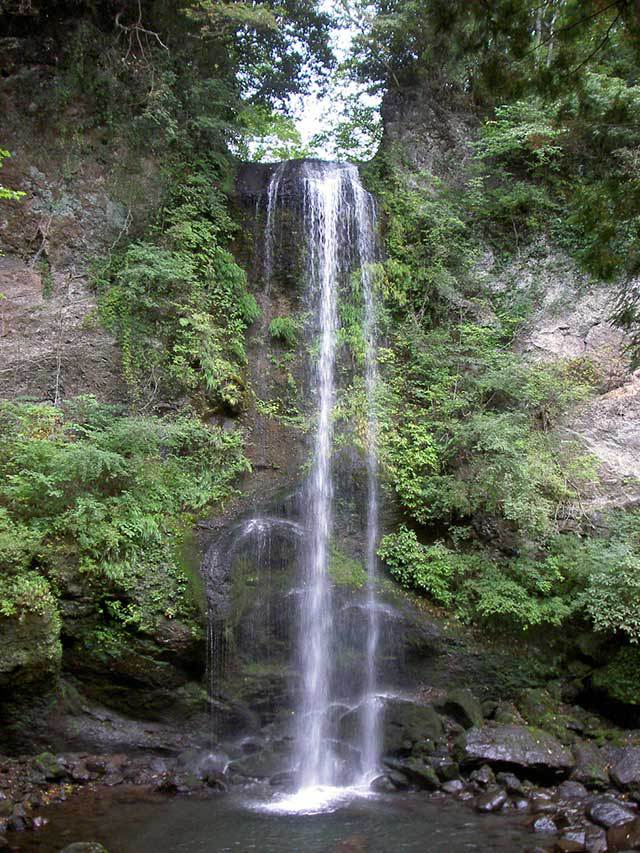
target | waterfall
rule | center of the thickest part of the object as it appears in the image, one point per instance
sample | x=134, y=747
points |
x=366, y=231
x=338, y=223
x=322, y=194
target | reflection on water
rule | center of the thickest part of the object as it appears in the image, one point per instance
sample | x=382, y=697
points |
x=130, y=821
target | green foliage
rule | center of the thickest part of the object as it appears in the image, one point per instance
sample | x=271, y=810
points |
x=466, y=428
x=7, y=194
x=430, y=569
x=345, y=571
x=269, y=136
x=575, y=579
x=517, y=594
x=614, y=595
x=621, y=676
x=27, y=593
x=91, y=492
x=177, y=301
x=428, y=245
x=556, y=89
x=522, y=134
x=284, y=329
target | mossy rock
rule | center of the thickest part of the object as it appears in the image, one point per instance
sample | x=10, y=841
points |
x=31, y=651
x=463, y=706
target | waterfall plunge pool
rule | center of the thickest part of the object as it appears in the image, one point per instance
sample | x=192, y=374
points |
x=129, y=820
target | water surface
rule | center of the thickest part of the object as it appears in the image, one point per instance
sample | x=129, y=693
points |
x=130, y=821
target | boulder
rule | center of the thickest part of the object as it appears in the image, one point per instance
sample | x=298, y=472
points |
x=382, y=785
x=491, y=801
x=463, y=706
x=607, y=812
x=626, y=836
x=571, y=790
x=516, y=747
x=51, y=767
x=543, y=823
x=595, y=839
x=576, y=834
x=511, y=782
x=446, y=769
x=418, y=772
x=408, y=727
x=483, y=776
x=626, y=772
x=591, y=766
x=453, y=786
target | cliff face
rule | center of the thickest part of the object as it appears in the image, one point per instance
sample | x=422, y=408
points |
x=433, y=130
x=83, y=197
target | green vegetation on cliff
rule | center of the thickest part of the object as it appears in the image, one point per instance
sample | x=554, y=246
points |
x=541, y=104
x=554, y=89
x=94, y=498
x=177, y=301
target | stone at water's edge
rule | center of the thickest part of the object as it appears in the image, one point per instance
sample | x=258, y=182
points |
x=416, y=771
x=85, y=847
x=591, y=766
x=406, y=726
x=517, y=746
x=626, y=772
x=607, y=812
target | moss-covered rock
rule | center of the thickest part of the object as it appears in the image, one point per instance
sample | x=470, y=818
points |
x=30, y=649
x=463, y=706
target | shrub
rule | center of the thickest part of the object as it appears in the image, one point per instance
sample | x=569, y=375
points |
x=285, y=330
x=177, y=301
x=109, y=496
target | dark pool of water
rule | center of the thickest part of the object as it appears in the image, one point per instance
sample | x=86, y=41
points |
x=129, y=821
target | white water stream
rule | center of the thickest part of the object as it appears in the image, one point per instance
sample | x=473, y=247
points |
x=338, y=225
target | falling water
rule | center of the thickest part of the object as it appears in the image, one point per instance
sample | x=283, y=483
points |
x=270, y=232
x=366, y=221
x=338, y=220
x=323, y=193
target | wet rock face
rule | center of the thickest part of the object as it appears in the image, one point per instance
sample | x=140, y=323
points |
x=433, y=126
x=626, y=772
x=31, y=653
x=516, y=746
x=75, y=207
x=607, y=812
x=591, y=765
x=408, y=725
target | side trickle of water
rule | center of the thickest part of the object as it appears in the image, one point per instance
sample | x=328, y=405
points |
x=365, y=212
x=270, y=231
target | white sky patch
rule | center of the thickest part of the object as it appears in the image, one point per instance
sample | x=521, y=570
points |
x=315, y=112
x=318, y=113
